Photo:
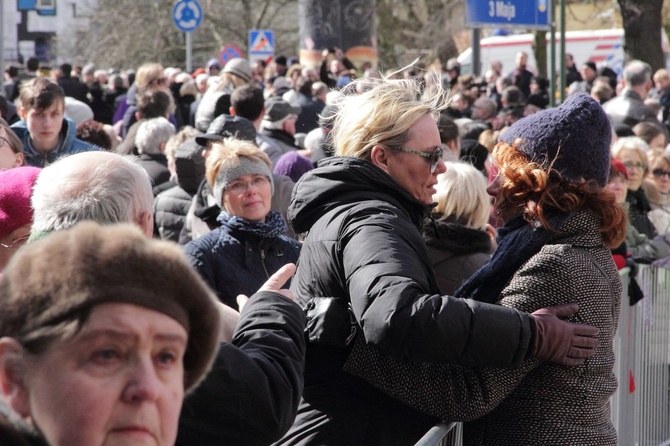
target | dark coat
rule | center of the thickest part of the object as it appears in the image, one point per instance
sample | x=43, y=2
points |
x=251, y=395
x=364, y=247
x=456, y=252
x=234, y=261
x=628, y=108
x=74, y=88
x=11, y=435
x=539, y=402
x=638, y=211
x=170, y=209
x=156, y=166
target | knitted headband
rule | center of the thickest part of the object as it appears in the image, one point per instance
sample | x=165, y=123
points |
x=246, y=166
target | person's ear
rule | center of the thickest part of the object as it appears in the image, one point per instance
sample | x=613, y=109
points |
x=22, y=113
x=137, y=116
x=19, y=159
x=146, y=222
x=379, y=156
x=231, y=111
x=12, y=376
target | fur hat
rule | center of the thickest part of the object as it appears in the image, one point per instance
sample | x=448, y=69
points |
x=16, y=188
x=61, y=276
x=574, y=139
x=239, y=67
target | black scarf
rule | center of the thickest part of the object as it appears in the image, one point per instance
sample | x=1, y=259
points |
x=517, y=242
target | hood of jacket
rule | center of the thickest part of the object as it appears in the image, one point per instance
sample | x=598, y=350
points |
x=341, y=181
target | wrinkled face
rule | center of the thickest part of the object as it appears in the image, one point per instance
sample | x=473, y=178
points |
x=618, y=185
x=118, y=381
x=412, y=171
x=635, y=165
x=44, y=125
x=249, y=197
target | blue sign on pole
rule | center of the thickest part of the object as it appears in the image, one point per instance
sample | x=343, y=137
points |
x=261, y=44
x=187, y=15
x=521, y=13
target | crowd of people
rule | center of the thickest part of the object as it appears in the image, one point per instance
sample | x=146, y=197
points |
x=450, y=246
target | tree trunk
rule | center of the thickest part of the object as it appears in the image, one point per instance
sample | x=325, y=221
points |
x=540, y=52
x=642, y=27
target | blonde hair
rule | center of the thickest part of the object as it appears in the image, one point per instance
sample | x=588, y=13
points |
x=634, y=144
x=148, y=72
x=461, y=193
x=382, y=115
x=227, y=153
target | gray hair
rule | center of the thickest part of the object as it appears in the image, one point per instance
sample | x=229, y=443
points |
x=637, y=73
x=101, y=186
x=152, y=134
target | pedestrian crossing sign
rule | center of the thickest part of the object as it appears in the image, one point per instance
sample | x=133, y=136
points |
x=261, y=43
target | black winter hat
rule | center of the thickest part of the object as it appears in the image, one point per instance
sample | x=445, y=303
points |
x=225, y=126
x=573, y=138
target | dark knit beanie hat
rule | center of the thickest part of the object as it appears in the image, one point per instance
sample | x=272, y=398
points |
x=60, y=277
x=574, y=139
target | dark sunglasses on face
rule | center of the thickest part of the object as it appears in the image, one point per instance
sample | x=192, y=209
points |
x=432, y=158
x=659, y=173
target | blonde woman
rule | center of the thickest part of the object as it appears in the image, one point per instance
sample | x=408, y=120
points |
x=458, y=236
x=659, y=196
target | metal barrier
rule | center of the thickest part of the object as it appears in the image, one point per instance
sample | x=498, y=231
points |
x=641, y=405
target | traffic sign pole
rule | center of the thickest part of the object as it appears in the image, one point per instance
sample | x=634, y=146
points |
x=189, y=64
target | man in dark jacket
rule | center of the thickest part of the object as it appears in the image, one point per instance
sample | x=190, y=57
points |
x=629, y=108
x=71, y=86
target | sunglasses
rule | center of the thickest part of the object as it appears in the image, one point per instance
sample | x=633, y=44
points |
x=660, y=173
x=433, y=158
x=159, y=81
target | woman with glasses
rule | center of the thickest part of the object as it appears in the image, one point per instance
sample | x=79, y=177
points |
x=11, y=148
x=250, y=245
x=659, y=197
x=632, y=152
x=364, y=273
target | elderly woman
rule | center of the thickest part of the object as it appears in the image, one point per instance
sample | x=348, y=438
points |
x=560, y=223
x=16, y=214
x=102, y=333
x=249, y=246
x=458, y=236
x=659, y=196
x=632, y=152
x=364, y=272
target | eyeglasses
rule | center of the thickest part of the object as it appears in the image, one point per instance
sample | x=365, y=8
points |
x=660, y=173
x=632, y=165
x=432, y=158
x=19, y=241
x=240, y=187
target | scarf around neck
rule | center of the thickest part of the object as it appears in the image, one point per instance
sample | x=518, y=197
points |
x=273, y=226
x=517, y=242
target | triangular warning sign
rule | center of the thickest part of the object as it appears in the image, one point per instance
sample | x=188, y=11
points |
x=262, y=44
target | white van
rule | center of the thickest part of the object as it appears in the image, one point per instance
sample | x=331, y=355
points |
x=604, y=47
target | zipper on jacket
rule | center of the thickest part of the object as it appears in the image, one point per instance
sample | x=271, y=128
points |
x=263, y=262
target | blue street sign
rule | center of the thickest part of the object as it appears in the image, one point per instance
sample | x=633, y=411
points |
x=261, y=43
x=187, y=15
x=521, y=13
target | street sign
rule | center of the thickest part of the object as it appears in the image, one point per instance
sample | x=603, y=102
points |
x=513, y=13
x=261, y=44
x=229, y=52
x=187, y=15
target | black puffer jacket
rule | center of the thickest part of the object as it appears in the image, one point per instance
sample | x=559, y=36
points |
x=364, y=246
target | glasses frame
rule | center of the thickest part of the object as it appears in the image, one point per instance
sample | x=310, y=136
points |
x=660, y=173
x=634, y=165
x=255, y=183
x=18, y=241
x=433, y=157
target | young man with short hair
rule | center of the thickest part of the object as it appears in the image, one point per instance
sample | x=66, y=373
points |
x=45, y=132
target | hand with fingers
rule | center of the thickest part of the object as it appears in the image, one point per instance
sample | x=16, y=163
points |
x=563, y=342
x=275, y=284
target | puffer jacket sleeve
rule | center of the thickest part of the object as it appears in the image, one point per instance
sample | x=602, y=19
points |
x=387, y=273
x=251, y=395
x=457, y=393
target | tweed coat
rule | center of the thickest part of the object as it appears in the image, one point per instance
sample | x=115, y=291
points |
x=538, y=403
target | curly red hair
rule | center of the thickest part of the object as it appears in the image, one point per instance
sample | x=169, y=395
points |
x=533, y=190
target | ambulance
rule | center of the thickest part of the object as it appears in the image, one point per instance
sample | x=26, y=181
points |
x=604, y=47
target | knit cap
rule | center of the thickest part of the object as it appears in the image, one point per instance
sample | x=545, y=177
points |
x=239, y=67
x=61, y=276
x=574, y=139
x=16, y=188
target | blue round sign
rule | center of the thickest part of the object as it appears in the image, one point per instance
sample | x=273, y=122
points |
x=187, y=15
